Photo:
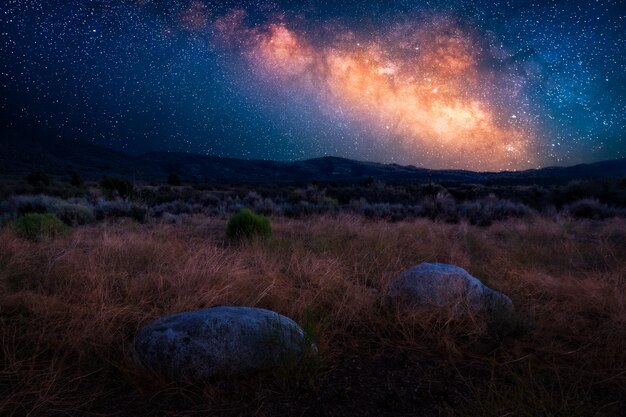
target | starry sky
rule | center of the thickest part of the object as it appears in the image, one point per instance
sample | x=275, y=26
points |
x=481, y=84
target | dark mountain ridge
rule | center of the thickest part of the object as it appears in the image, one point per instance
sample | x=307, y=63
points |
x=20, y=154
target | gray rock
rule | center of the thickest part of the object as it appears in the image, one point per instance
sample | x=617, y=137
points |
x=219, y=340
x=445, y=285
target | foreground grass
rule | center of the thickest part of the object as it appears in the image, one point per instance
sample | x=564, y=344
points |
x=70, y=307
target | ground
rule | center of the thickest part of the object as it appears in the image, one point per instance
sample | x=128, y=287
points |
x=69, y=308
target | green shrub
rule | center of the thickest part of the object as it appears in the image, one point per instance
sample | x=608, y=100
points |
x=246, y=224
x=37, y=226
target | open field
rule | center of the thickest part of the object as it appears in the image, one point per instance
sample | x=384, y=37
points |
x=69, y=308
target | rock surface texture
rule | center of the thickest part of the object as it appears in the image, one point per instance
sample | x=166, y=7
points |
x=220, y=340
x=445, y=285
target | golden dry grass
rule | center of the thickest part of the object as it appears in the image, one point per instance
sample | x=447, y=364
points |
x=70, y=307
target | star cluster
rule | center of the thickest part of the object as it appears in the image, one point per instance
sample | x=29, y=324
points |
x=478, y=85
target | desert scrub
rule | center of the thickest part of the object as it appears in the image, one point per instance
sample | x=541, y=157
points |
x=246, y=224
x=105, y=209
x=111, y=185
x=74, y=214
x=39, y=227
x=590, y=208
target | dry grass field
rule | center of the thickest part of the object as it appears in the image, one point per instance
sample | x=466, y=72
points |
x=69, y=309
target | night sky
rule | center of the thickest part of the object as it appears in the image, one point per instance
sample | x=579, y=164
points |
x=481, y=84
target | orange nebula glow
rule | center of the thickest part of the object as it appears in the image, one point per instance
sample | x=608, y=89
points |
x=421, y=90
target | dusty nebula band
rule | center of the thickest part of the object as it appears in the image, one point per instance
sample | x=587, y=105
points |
x=420, y=84
x=427, y=99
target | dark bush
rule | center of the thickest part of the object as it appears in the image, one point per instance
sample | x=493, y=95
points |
x=76, y=180
x=441, y=207
x=295, y=197
x=173, y=179
x=246, y=224
x=589, y=208
x=147, y=195
x=137, y=213
x=24, y=204
x=112, y=185
x=38, y=227
x=38, y=178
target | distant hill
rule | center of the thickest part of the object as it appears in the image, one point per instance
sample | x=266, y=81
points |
x=19, y=155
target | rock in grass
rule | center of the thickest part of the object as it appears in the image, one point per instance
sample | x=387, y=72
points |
x=218, y=341
x=445, y=285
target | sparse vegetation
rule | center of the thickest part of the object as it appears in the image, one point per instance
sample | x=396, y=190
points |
x=70, y=307
x=67, y=326
x=451, y=203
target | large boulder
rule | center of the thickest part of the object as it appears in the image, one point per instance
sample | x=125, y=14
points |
x=445, y=285
x=220, y=340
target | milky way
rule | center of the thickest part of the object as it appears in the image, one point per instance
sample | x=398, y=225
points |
x=455, y=85
x=420, y=83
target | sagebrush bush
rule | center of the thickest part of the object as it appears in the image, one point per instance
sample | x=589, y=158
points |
x=175, y=207
x=23, y=204
x=487, y=210
x=246, y=224
x=119, y=208
x=110, y=209
x=440, y=207
x=268, y=207
x=74, y=214
x=589, y=208
x=39, y=227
